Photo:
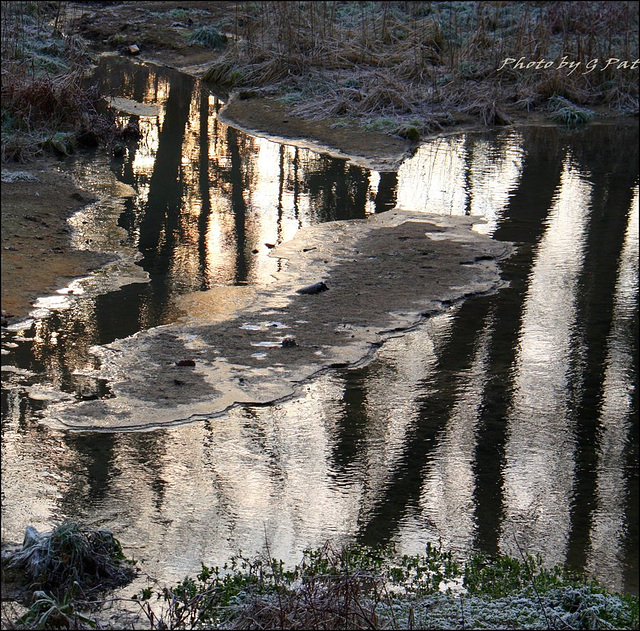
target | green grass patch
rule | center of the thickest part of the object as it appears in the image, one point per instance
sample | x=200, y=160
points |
x=358, y=587
x=223, y=74
x=209, y=37
x=49, y=612
x=382, y=124
x=567, y=113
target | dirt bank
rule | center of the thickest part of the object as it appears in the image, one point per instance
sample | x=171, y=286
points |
x=37, y=200
x=270, y=118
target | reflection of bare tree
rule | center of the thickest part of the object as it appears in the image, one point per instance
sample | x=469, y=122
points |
x=615, y=515
x=523, y=223
x=438, y=396
x=352, y=424
x=91, y=469
x=147, y=450
x=281, y=171
x=387, y=190
x=61, y=344
x=527, y=208
x=203, y=185
x=337, y=190
x=239, y=207
x=541, y=418
x=614, y=175
x=158, y=230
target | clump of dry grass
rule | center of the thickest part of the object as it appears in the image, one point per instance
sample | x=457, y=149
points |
x=430, y=60
x=39, y=111
x=46, y=105
x=339, y=598
x=45, y=101
x=69, y=556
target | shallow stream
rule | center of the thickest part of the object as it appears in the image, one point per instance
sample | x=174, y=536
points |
x=506, y=421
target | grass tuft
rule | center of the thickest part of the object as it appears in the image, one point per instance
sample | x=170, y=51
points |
x=209, y=37
x=565, y=112
x=70, y=556
x=47, y=612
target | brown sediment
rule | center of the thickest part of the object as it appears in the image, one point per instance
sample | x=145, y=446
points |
x=268, y=117
x=37, y=257
x=383, y=274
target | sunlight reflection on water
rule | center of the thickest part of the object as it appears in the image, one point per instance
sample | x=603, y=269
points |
x=507, y=418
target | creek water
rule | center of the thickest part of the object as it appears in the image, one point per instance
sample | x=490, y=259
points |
x=508, y=422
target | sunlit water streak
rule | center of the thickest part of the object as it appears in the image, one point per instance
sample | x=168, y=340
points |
x=610, y=523
x=539, y=472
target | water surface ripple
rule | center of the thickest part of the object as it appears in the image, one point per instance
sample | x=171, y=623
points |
x=506, y=421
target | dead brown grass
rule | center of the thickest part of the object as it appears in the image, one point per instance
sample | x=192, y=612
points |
x=434, y=61
x=46, y=104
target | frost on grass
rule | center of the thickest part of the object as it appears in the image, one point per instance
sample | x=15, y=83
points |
x=568, y=607
x=364, y=588
x=70, y=555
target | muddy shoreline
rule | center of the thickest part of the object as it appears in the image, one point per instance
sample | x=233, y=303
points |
x=37, y=258
x=383, y=275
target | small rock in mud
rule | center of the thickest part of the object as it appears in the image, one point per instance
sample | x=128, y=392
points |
x=5, y=318
x=289, y=342
x=316, y=288
x=186, y=362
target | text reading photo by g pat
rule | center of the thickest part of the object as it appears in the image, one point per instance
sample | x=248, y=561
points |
x=571, y=66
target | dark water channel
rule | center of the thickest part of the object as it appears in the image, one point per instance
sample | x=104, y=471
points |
x=509, y=421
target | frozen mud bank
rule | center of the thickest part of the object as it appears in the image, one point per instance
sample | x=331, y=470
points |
x=255, y=344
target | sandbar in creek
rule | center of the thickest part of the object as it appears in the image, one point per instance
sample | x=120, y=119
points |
x=383, y=273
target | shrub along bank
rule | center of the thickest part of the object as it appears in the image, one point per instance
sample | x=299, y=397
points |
x=357, y=587
x=353, y=587
x=46, y=106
